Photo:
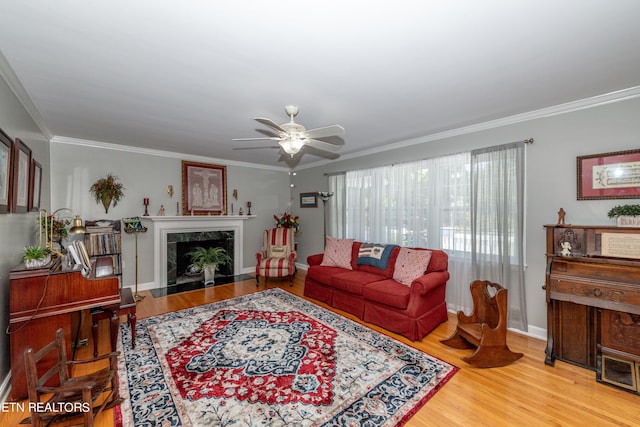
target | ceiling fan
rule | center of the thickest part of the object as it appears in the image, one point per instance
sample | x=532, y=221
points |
x=293, y=137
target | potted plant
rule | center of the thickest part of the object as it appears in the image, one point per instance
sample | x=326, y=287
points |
x=208, y=259
x=626, y=215
x=36, y=256
x=107, y=190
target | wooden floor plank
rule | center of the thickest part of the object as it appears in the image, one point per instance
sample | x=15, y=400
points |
x=527, y=392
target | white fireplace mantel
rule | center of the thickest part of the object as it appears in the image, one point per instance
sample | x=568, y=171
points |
x=164, y=225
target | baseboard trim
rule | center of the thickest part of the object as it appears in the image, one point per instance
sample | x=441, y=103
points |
x=5, y=388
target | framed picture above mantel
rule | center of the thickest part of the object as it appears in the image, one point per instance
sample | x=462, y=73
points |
x=204, y=189
x=614, y=175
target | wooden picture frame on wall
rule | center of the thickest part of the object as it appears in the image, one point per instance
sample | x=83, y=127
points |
x=204, y=189
x=308, y=200
x=21, y=167
x=35, y=186
x=5, y=172
x=614, y=175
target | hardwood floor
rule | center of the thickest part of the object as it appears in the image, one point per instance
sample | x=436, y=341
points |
x=526, y=393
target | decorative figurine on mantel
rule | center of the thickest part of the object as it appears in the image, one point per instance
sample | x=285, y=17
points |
x=161, y=211
x=561, y=215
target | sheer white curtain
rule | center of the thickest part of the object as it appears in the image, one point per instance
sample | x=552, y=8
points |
x=336, y=206
x=497, y=222
x=469, y=205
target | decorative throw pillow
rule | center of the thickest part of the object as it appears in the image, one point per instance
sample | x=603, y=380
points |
x=278, y=251
x=337, y=253
x=410, y=265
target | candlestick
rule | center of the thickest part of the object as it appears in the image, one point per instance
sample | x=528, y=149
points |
x=249, y=206
x=145, y=202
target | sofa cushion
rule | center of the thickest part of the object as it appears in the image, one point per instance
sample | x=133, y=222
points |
x=410, y=264
x=323, y=274
x=337, y=253
x=388, y=292
x=353, y=281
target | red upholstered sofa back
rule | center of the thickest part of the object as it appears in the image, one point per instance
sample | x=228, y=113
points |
x=439, y=261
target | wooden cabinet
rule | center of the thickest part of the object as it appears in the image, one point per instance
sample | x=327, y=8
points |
x=593, y=300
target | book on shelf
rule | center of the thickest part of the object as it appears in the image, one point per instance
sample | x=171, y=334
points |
x=99, y=228
x=103, y=267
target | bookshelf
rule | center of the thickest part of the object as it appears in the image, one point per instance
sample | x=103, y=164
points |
x=103, y=241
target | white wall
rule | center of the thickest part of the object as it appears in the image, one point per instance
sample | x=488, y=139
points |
x=145, y=174
x=551, y=177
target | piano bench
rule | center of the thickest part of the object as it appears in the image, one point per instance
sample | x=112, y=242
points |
x=127, y=306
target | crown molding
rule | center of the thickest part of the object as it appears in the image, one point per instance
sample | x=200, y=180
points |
x=569, y=107
x=160, y=153
x=16, y=87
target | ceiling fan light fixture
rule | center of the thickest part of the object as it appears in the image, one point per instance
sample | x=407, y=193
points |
x=292, y=146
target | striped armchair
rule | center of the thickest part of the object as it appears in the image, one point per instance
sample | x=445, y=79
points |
x=278, y=256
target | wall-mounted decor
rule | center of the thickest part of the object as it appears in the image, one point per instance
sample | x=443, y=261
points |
x=613, y=175
x=308, y=200
x=5, y=172
x=36, y=186
x=21, y=165
x=204, y=189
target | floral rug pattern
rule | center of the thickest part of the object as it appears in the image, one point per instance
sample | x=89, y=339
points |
x=270, y=359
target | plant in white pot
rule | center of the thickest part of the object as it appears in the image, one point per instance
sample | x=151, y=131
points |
x=626, y=215
x=36, y=256
x=208, y=259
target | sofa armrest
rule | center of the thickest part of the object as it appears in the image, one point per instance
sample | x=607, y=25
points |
x=430, y=281
x=314, y=259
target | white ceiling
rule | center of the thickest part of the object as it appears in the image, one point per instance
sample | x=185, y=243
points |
x=189, y=75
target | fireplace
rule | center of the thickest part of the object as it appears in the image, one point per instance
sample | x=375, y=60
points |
x=169, y=230
x=180, y=244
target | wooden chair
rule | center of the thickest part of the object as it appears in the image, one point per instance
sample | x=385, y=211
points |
x=63, y=396
x=127, y=306
x=486, y=328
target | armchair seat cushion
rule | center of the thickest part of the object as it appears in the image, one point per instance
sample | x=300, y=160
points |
x=274, y=267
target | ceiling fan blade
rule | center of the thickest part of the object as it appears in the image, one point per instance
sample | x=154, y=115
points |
x=255, y=148
x=321, y=145
x=270, y=123
x=268, y=133
x=257, y=139
x=326, y=131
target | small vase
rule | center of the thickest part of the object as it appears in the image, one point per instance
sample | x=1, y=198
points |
x=209, y=274
x=106, y=202
x=628, y=221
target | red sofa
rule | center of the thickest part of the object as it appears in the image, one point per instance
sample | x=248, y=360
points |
x=372, y=295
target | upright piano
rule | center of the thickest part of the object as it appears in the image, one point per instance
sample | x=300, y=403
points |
x=44, y=300
x=593, y=301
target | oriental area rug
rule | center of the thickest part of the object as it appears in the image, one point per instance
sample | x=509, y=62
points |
x=270, y=359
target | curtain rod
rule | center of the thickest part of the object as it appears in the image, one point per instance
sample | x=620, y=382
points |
x=525, y=141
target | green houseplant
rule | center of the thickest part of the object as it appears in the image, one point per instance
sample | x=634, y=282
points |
x=626, y=215
x=207, y=260
x=36, y=256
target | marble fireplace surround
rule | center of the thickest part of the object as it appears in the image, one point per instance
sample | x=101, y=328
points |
x=165, y=225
